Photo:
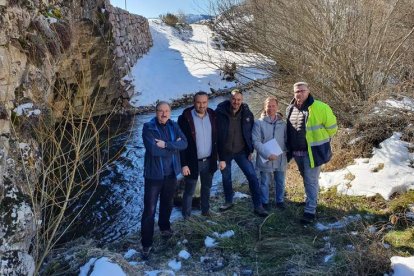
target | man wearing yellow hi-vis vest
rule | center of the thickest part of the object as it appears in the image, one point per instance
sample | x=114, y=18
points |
x=310, y=127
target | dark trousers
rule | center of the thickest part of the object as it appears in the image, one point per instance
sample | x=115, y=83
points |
x=206, y=178
x=164, y=189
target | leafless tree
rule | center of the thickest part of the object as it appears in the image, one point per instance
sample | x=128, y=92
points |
x=348, y=50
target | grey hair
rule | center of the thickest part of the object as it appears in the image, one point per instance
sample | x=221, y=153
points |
x=301, y=83
x=161, y=103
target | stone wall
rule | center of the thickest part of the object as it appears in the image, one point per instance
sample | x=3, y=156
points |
x=44, y=46
x=131, y=37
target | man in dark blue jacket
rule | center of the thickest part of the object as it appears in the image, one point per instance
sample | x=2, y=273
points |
x=163, y=139
x=200, y=158
x=234, y=140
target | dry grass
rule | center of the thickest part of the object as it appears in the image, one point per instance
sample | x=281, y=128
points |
x=278, y=244
x=343, y=154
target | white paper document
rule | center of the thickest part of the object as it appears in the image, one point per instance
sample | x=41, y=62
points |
x=271, y=147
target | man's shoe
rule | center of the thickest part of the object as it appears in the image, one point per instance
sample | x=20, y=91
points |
x=266, y=206
x=166, y=234
x=146, y=252
x=226, y=206
x=307, y=218
x=261, y=212
x=281, y=205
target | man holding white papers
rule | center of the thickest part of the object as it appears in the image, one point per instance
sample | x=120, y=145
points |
x=269, y=140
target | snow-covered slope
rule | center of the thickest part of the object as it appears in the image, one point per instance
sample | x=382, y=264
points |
x=181, y=63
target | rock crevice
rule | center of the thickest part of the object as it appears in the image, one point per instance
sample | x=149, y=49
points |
x=52, y=52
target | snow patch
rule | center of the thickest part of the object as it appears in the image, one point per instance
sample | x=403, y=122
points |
x=404, y=104
x=184, y=254
x=227, y=234
x=130, y=253
x=175, y=265
x=402, y=266
x=238, y=195
x=210, y=242
x=339, y=224
x=101, y=267
x=386, y=173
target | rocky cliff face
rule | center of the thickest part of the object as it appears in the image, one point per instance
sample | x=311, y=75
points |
x=46, y=46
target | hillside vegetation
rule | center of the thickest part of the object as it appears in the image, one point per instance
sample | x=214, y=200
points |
x=352, y=52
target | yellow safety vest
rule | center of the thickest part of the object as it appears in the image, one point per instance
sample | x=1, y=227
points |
x=320, y=127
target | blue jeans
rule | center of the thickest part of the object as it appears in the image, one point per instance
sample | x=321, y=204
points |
x=248, y=170
x=279, y=179
x=310, y=181
x=206, y=179
x=164, y=189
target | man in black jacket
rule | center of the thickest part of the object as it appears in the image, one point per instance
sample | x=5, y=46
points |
x=234, y=141
x=198, y=124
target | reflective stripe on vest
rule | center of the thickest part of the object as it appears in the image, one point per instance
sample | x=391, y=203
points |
x=319, y=132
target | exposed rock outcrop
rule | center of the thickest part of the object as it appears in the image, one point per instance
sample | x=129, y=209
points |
x=81, y=47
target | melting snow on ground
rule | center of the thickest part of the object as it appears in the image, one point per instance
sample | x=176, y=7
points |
x=404, y=104
x=227, y=234
x=130, y=253
x=238, y=195
x=388, y=171
x=210, y=242
x=174, y=265
x=184, y=254
x=402, y=266
x=169, y=70
x=101, y=266
x=339, y=224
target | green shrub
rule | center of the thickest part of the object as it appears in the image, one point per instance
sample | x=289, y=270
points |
x=169, y=19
